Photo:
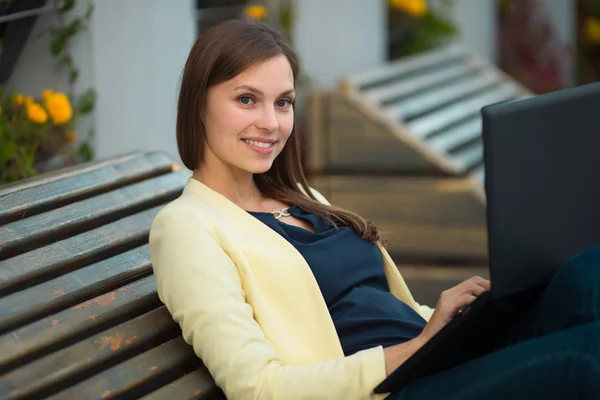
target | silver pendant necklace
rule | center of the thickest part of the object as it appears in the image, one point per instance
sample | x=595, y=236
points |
x=284, y=212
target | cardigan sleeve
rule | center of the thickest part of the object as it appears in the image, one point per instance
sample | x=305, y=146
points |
x=425, y=311
x=201, y=287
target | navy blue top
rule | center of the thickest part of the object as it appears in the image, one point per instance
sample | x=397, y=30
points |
x=350, y=274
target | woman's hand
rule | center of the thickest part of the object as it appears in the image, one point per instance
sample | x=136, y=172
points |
x=451, y=301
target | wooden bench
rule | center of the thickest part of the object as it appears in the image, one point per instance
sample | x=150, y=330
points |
x=400, y=144
x=416, y=115
x=79, y=313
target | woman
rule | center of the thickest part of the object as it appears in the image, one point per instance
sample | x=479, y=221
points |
x=284, y=296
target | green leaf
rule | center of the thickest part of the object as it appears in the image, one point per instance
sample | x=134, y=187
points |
x=73, y=76
x=86, y=102
x=67, y=60
x=86, y=152
x=7, y=152
x=58, y=44
x=67, y=5
x=74, y=27
x=89, y=12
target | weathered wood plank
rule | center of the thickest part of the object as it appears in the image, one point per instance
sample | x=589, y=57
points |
x=316, y=140
x=457, y=136
x=193, y=386
x=405, y=88
x=479, y=172
x=28, y=341
x=85, y=283
x=420, y=217
x=76, y=251
x=470, y=156
x=87, y=356
x=435, y=121
x=132, y=373
x=33, y=232
x=360, y=139
x=383, y=120
x=99, y=178
x=60, y=174
x=449, y=92
x=387, y=72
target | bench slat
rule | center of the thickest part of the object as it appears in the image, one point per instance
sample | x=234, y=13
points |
x=405, y=66
x=76, y=286
x=48, y=177
x=479, y=172
x=73, y=252
x=87, y=354
x=470, y=157
x=457, y=136
x=130, y=374
x=439, y=119
x=54, y=225
x=423, y=218
x=18, y=204
x=72, y=322
x=430, y=100
x=428, y=79
x=193, y=386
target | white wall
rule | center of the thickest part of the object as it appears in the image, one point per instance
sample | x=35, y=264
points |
x=338, y=37
x=133, y=55
x=140, y=47
x=478, y=24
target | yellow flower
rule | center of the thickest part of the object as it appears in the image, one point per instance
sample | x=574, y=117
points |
x=59, y=108
x=28, y=101
x=19, y=99
x=36, y=113
x=258, y=12
x=47, y=93
x=592, y=29
x=416, y=8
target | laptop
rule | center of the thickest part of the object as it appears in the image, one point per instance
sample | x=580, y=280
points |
x=542, y=184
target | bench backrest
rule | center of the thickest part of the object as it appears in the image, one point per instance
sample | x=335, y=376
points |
x=79, y=313
x=418, y=115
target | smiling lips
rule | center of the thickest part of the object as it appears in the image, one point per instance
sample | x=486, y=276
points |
x=260, y=146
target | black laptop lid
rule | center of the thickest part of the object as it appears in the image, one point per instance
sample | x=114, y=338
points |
x=542, y=165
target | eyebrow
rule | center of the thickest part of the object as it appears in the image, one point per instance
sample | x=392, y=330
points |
x=257, y=91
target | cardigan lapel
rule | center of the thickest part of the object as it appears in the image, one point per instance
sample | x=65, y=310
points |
x=255, y=228
x=243, y=219
x=278, y=281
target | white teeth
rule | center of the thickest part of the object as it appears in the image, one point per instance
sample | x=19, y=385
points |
x=262, y=145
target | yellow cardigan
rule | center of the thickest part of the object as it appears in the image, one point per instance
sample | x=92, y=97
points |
x=248, y=303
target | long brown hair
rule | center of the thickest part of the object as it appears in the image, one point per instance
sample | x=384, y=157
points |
x=220, y=54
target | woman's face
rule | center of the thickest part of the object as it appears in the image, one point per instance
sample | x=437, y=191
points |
x=249, y=118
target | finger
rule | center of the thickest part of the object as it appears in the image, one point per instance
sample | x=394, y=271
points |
x=475, y=289
x=465, y=300
x=481, y=282
x=469, y=286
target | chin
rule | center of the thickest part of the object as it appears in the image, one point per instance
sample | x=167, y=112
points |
x=259, y=168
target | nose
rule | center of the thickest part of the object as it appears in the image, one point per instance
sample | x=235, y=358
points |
x=268, y=120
